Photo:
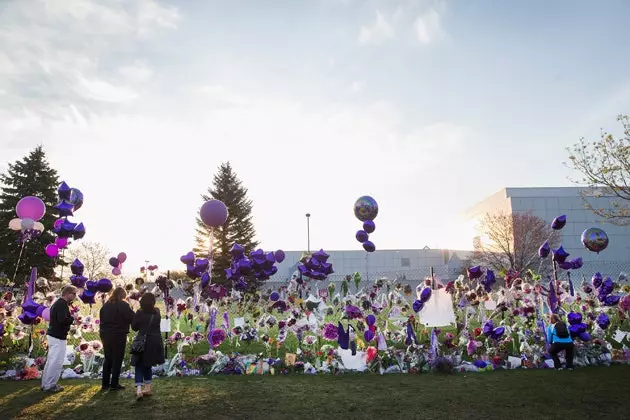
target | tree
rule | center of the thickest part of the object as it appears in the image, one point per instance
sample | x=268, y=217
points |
x=239, y=228
x=30, y=176
x=605, y=167
x=93, y=255
x=511, y=241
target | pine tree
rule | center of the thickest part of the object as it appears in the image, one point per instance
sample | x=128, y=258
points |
x=239, y=228
x=30, y=176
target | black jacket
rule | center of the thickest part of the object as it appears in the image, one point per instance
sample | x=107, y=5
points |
x=153, y=346
x=60, y=320
x=115, y=318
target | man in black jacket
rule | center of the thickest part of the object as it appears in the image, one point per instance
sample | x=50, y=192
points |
x=60, y=322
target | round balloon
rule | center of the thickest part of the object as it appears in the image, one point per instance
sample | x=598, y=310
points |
x=595, y=239
x=365, y=208
x=46, y=314
x=361, y=236
x=279, y=255
x=369, y=246
x=15, y=224
x=369, y=226
x=122, y=257
x=76, y=198
x=213, y=213
x=30, y=208
x=113, y=261
x=61, y=242
x=52, y=250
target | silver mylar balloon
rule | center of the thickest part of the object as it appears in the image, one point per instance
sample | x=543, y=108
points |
x=595, y=239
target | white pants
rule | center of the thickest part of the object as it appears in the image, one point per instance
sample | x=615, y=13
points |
x=54, y=362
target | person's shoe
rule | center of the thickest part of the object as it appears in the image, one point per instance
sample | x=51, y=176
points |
x=116, y=388
x=139, y=394
x=147, y=391
x=55, y=388
x=104, y=388
x=571, y=369
x=560, y=369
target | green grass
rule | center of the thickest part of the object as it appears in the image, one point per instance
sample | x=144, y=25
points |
x=597, y=392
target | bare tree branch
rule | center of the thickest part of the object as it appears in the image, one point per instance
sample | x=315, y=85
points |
x=93, y=255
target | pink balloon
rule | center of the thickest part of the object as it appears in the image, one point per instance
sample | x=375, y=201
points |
x=61, y=242
x=30, y=208
x=46, y=314
x=122, y=257
x=57, y=223
x=116, y=271
x=52, y=250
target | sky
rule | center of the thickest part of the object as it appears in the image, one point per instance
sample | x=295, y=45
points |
x=428, y=106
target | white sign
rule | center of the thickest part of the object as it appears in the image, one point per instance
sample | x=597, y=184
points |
x=165, y=325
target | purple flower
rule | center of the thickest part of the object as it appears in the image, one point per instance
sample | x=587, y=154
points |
x=330, y=332
x=353, y=312
x=216, y=337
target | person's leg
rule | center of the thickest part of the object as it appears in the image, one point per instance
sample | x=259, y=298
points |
x=54, y=362
x=554, y=349
x=569, y=355
x=107, y=364
x=139, y=379
x=148, y=376
x=119, y=344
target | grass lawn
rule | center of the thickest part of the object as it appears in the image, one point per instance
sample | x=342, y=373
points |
x=597, y=392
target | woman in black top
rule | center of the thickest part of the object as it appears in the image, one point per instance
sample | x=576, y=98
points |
x=116, y=316
x=147, y=321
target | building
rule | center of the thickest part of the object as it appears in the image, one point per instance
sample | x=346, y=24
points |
x=409, y=264
x=548, y=203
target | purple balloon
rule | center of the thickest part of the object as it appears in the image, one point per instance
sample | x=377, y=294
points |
x=275, y=296
x=370, y=320
x=474, y=272
x=213, y=213
x=595, y=239
x=76, y=198
x=369, y=246
x=597, y=280
x=603, y=321
x=77, y=267
x=104, y=285
x=78, y=281
x=559, y=222
x=30, y=207
x=113, y=261
x=585, y=336
x=205, y=280
x=52, y=250
x=425, y=294
x=611, y=300
x=28, y=318
x=574, y=318
x=369, y=226
x=565, y=265
x=498, y=332
x=321, y=256
x=64, y=191
x=361, y=236
x=417, y=305
x=64, y=208
x=78, y=232
x=560, y=255
x=279, y=255
x=188, y=259
x=544, y=250
x=91, y=286
x=368, y=335
x=87, y=297
x=577, y=263
x=202, y=264
x=237, y=250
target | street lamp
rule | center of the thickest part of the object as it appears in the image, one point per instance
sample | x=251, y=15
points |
x=308, y=233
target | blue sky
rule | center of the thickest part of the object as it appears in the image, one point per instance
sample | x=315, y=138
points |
x=429, y=106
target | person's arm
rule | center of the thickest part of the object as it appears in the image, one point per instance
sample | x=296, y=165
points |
x=128, y=314
x=64, y=317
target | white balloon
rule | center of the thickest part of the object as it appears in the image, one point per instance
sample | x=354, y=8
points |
x=28, y=224
x=15, y=224
x=39, y=226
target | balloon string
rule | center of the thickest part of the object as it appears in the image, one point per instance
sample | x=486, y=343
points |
x=210, y=253
x=17, y=265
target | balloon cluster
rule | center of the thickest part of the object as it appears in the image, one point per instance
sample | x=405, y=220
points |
x=117, y=263
x=366, y=210
x=197, y=267
x=260, y=265
x=29, y=211
x=92, y=287
x=70, y=200
x=577, y=328
x=77, y=279
x=316, y=266
x=491, y=332
x=31, y=310
x=423, y=295
x=605, y=288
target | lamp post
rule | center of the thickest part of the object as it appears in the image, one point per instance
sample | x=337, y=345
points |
x=308, y=232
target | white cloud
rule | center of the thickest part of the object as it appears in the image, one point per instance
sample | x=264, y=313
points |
x=137, y=72
x=378, y=32
x=428, y=26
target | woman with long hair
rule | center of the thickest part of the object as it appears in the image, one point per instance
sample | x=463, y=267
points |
x=147, y=322
x=115, y=318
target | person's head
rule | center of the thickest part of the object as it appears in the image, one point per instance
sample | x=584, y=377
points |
x=147, y=302
x=118, y=295
x=69, y=293
x=554, y=318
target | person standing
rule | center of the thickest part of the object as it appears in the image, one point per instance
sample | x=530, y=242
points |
x=115, y=318
x=60, y=322
x=147, y=321
x=559, y=338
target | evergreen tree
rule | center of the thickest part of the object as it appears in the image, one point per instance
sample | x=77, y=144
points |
x=30, y=176
x=239, y=228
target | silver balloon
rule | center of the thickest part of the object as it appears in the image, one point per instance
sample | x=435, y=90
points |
x=595, y=239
